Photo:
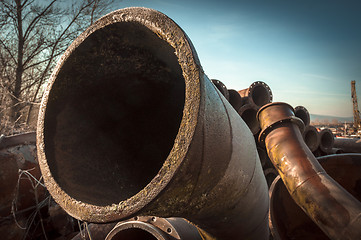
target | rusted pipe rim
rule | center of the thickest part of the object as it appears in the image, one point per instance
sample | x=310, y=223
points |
x=326, y=140
x=302, y=113
x=266, y=94
x=311, y=137
x=221, y=87
x=172, y=34
x=279, y=120
x=248, y=113
x=235, y=99
x=136, y=230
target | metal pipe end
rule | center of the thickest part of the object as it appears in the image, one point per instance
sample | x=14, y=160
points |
x=248, y=114
x=311, y=137
x=273, y=115
x=327, y=140
x=157, y=228
x=260, y=94
x=235, y=99
x=221, y=87
x=302, y=113
x=118, y=114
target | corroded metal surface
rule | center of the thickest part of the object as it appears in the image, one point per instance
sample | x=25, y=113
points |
x=257, y=95
x=348, y=145
x=329, y=205
x=221, y=87
x=326, y=140
x=21, y=191
x=151, y=227
x=288, y=221
x=14, y=140
x=302, y=113
x=311, y=138
x=235, y=99
x=248, y=113
x=95, y=231
x=130, y=125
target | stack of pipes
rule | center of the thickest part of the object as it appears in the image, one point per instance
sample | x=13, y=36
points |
x=247, y=102
x=200, y=164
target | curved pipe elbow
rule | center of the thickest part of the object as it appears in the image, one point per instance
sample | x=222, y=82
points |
x=329, y=205
x=129, y=111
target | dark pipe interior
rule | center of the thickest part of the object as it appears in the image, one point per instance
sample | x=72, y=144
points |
x=327, y=140
x=249, y=117
x=133, y=234
x=290, y=221
x=311, y=139
x=300, y=113
x=113, y=114
x=235, y=99
x=270, y=177
x=260, y=95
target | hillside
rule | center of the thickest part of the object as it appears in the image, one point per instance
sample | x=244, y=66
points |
x=323, y=118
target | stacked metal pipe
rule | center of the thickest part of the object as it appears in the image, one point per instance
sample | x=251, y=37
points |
x=181, y=163
x=130, y=125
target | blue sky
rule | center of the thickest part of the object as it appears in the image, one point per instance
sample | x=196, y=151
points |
x=306, y=51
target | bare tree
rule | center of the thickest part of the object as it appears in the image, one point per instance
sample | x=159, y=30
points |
x=33, y=34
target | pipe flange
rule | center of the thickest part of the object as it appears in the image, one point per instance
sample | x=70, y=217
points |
x=292, y=119
x=221, y=87
x=274, y=121
x=265, y=86
x=302, y=113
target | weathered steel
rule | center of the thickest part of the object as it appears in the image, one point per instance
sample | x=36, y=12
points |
x=221, y=87
x=329, y=205
x=270, y=174
x=151, y=227
x=311, y=138
x=130, y=125
x=96, y=232
x=348, y=145
x=257, y=95
x=20, y=191
x=326, y=140
x=235, y=99
x=302, y=113
x=248, y=113
x=288, y=221
x=18, y=139
x=262, y=156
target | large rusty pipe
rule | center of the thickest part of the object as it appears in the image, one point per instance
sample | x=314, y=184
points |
x=326, y=140
x=151, y=227
x=257, y=95
x=348, y=145
x=311, y=138
x=288, y=221
x=130, y=125
x=329, y=205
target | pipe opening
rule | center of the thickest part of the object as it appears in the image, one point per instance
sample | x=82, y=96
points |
x=327, y=140
x=235, y=99
x=260, y=95
x=303, y=115
x=133, y=234
x=113, y=113
x=311, y=140
x=249, y=117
